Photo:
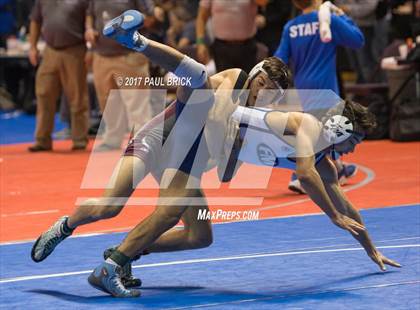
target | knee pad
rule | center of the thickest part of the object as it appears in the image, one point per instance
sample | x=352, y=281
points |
x=192, y=71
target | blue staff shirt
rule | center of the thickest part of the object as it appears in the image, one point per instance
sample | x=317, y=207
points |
x=314, y=62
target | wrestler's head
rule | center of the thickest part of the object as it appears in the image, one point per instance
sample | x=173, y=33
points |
x=268, y=81
x=347, y=130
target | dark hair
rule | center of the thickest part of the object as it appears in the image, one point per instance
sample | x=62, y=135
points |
x=302, y=4
x=277, y=71
x=360, y=116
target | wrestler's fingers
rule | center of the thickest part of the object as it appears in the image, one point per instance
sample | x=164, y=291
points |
x=391, y=262
x=358, y=226
x=352, y=231
x=381, y=264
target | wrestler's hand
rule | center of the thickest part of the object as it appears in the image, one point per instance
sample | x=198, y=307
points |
x=381, y=260
x=349, y=224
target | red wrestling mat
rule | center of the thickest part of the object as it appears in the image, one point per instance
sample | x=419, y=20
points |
x=38, y=188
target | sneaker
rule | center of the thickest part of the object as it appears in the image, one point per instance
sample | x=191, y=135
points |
x=348, y=171
x=123, y=28
x=127, y=278
x=107, y=278
x=39, y=148
x=47, y=242
x=295, y=186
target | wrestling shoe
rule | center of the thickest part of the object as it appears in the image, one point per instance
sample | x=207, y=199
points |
x=348, y=171
x=123, y=29
x=107, y=278
x=47, y=242
x=295, y=186
x=127, y=278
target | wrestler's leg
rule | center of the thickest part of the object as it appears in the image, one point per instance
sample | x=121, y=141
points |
x=127, y=175
x=173, y=201
x=195, y=234
x=123, y=29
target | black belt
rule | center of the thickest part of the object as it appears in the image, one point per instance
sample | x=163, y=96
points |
x=235, y=42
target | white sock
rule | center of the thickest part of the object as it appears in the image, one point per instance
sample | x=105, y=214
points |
x=140, y=42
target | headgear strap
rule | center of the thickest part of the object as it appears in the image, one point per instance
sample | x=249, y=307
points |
x=258, y=68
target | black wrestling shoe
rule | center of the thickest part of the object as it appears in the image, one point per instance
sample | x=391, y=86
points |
x=127, y=278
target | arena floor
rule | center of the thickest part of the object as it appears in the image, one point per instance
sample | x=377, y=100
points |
x=291, y=258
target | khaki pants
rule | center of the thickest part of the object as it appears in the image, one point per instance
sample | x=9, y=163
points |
x=62, y=70
x=123, y=107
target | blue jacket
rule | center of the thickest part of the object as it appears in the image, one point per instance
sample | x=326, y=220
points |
x=313, y=62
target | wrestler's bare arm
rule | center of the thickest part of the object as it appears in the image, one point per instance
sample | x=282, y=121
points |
x=328, y=172
x=229, y=163
x=216, y=127
x=304, y=131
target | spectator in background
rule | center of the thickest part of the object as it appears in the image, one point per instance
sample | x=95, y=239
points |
x=405, y=13
x=23, y=10
x=7, y=28
x=233, y=25
x=365, y=59
x=181, y=33
x=19, y=80
x=179, y=19
x=314, y=62
x=7, y=20
x=62, y=24
x=276, y=14
x=111, y=62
